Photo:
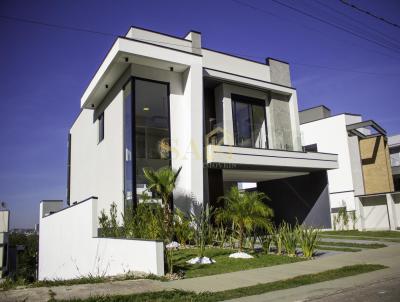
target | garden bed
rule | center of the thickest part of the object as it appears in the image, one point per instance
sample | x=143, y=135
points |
x=224, y=264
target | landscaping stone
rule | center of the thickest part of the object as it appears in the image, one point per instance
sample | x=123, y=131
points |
x=241, y=255
x=202, y=260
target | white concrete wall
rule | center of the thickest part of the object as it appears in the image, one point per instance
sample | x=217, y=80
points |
x=330, y=135
x=68, y=249
x=243, y=67
x=97, y=168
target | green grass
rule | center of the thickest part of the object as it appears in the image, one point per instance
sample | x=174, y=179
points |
x=380, y=234
x=10, y=284
x=224, y=264
x=353, y=244
x=338, y=249
x=180, y=296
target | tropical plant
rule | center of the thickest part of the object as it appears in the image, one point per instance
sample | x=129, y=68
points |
x=354, y=218
x=203, y=228
x=343, y=218
x=289, y=239
x=308, y=238
x=246, y=210
x=183, y=228
x=276, y=239
x=162, y=183
x=220, y=234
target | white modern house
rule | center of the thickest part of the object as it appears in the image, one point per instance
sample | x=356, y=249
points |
x=394, y=150
x=363, y=181
x=159, y=100
x=4, y=229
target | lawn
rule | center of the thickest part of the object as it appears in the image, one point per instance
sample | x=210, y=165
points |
x=224, y=264
x=353, y=244
x=262, y=288
x=338, y=249
x=380, y=234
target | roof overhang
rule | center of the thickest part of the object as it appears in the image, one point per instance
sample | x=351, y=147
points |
x=246, y=81
x=357, y=129
x=123, y=53
x=231, y=157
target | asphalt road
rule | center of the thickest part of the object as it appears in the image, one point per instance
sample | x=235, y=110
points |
x=382, y=291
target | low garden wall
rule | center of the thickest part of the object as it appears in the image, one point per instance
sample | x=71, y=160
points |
x=69, y=247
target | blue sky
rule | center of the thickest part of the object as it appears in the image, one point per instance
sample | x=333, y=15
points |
x=44, y=70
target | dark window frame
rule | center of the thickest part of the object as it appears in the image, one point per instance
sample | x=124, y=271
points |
x=131, y=81
x=250, y=101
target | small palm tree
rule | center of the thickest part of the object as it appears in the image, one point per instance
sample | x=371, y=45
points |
x=246, y=210
x=162, y=182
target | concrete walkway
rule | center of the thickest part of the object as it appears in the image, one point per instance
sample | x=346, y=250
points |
x=389, y=256
x=386, y=256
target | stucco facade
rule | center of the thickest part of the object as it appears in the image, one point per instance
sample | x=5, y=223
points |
x=161, y=100
x=363, y=181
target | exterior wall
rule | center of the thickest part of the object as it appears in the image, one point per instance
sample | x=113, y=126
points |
x=313, y=114
x=376, y=165
x=282, y=124
x=69, y=250
x=280, y=72
x=231, y=64
x=303, y=199
x=375, y=213
x=94, y=164
x=4, y=229
x=330, y=135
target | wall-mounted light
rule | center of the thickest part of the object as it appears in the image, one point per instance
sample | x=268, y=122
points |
x=146, y=109
x=106, y=86
x=92, y=105
x=171, y=68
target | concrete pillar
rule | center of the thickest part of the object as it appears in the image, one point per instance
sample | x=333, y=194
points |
x=392, y=217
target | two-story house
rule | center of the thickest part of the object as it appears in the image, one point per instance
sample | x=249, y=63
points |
x=363, y=182
x=159, y=100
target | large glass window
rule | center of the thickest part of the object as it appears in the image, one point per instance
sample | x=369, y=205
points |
x=249, y=122
x=150, y=131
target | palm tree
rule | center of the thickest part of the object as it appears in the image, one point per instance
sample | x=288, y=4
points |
x=246, y=210
x=162, y=182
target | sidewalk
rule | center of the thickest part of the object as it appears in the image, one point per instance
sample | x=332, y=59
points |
x=389, y=256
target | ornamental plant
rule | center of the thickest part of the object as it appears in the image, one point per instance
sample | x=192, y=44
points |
x=246, y=211
x=308, y=238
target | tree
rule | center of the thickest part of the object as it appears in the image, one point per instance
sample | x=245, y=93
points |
x=162, y=183
x=246, y=210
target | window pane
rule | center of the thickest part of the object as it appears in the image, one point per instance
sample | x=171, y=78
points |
x=152, y=129
x=243, y=129
x=128, y=161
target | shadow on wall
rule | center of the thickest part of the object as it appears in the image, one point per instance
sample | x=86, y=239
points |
x=187, y=204
x=372, y=158
x=303, y=199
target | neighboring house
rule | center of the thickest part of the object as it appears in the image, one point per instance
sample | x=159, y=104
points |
x=158, y=100
x=394, y=150
x=4, y=229
x=363, y=182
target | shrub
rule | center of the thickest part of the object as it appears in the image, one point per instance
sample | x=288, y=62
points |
x=277, y=240
x=109, y=224
x=289, y=239
x=308, y=238
x=184, y=232
x=246, y=210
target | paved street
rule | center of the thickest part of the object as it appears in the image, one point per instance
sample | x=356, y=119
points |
x=382, y=291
